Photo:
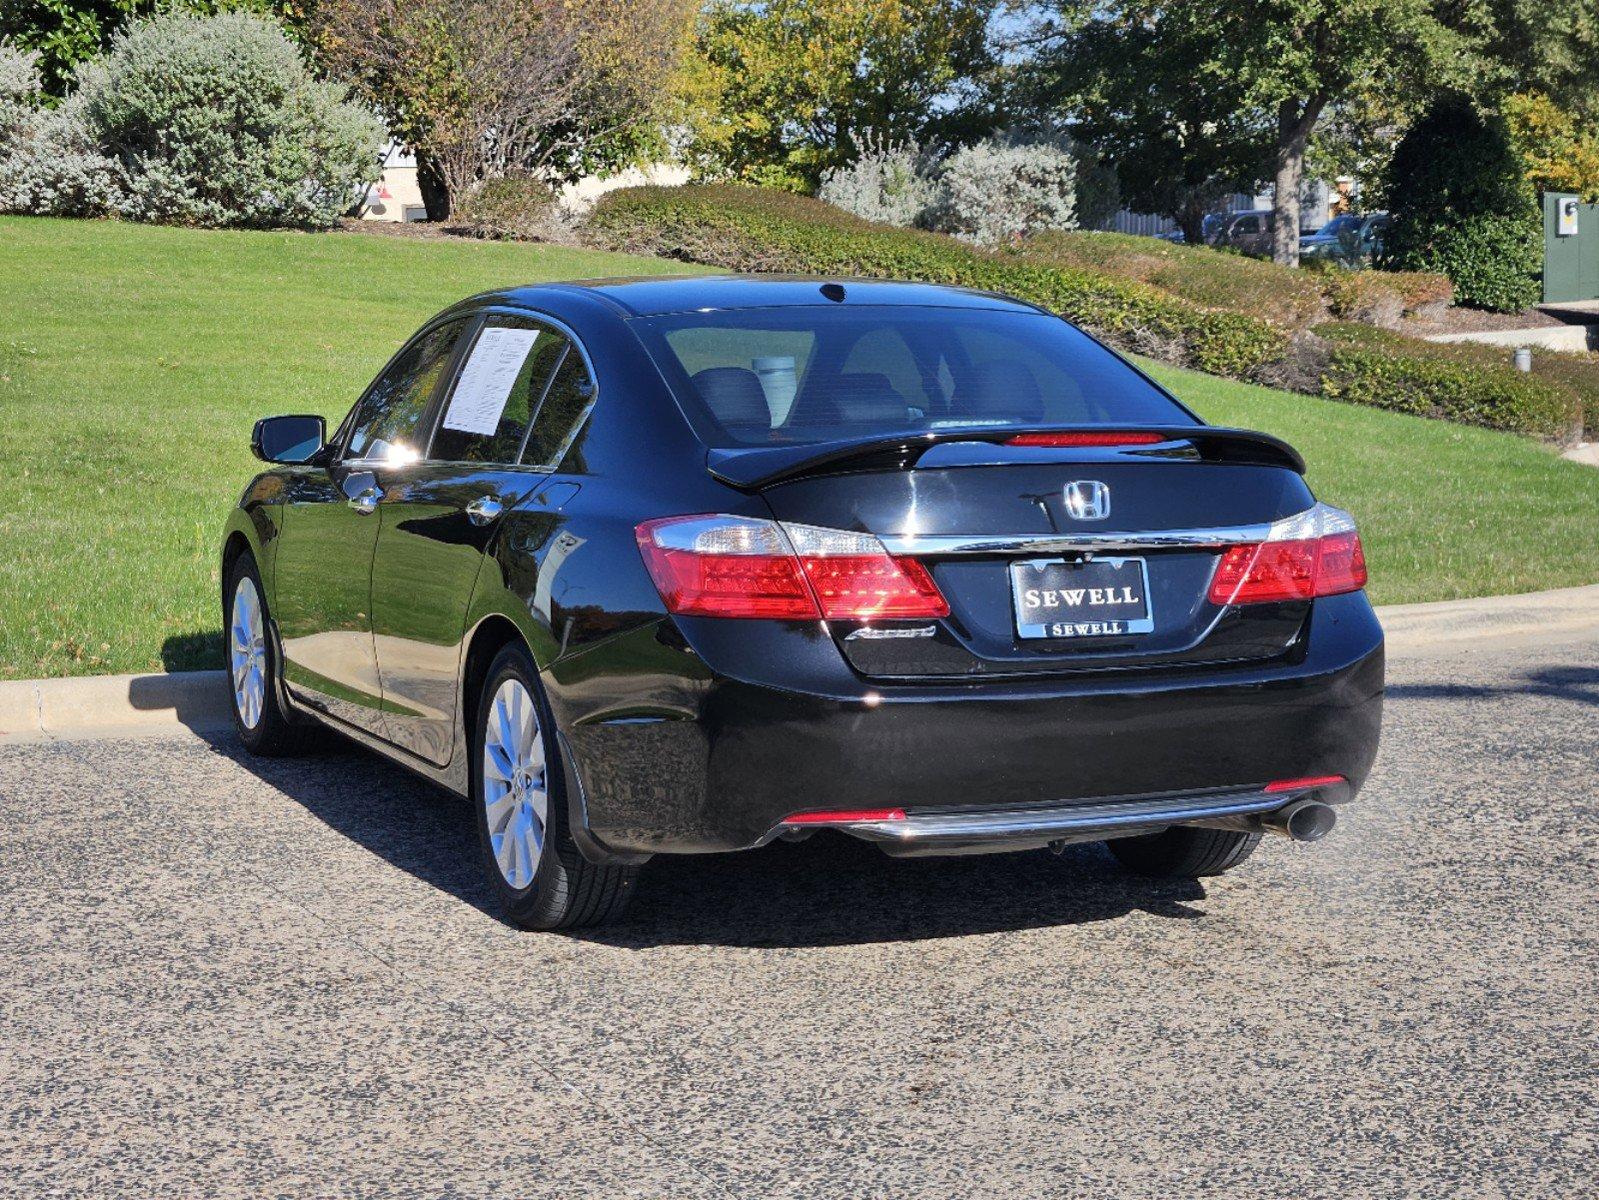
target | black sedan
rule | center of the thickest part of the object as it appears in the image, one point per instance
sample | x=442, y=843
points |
x=672, y=566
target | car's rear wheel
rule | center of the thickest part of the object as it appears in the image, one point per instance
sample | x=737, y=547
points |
x=519, y=791
x=262, y=725
x=1182, y=852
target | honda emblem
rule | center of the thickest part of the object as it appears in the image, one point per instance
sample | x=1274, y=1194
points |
x=1087, y=500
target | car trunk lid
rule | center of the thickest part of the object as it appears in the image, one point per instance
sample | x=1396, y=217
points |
x=1120, y=548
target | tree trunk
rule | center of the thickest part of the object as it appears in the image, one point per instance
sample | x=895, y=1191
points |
x=1191, y=220
x=434, y=192
x=1295, y=121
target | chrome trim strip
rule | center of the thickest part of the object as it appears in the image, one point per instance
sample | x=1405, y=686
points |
x=935, y=545
x=1313, y=522
x=1021, y=824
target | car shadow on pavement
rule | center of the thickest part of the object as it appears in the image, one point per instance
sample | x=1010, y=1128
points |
x=828, y=890
x=1580, y=685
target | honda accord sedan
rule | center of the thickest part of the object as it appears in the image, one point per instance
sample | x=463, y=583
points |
x=675, y=566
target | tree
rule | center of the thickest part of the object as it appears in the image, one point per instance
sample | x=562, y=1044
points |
x=783, y=90
x=1274, y=65
x=1141, y=84
x=1546, y=46
x=1297, y=57
x=1559, y=150
x=482, y=89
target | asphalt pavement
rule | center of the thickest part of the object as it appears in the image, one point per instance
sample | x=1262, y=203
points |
x=226, y=977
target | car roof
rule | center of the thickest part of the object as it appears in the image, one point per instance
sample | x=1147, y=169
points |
x=656, y=295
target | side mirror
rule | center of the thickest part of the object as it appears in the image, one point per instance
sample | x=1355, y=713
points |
x=288, y=439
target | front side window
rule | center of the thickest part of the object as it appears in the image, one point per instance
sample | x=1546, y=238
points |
x=497, y=391
x=806, y=374
x=387, y=425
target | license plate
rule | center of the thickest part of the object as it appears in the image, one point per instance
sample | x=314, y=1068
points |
x=1102, y=597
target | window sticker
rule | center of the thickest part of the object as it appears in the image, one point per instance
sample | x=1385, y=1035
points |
x=487, y=379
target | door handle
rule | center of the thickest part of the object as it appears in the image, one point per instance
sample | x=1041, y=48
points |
x=485, y=510
x=366, y=500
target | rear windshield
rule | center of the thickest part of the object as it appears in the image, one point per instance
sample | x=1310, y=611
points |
x=798, y=375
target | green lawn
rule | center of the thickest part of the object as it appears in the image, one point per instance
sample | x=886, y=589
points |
x=133, y=362
x=134, y=359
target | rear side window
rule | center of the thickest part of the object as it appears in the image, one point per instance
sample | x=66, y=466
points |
x=561, y=417
x=497, y=391
x=387, y=424
x=806, y=374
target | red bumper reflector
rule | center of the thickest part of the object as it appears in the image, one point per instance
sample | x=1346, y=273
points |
x=846, y=816
x=1299, y=785
x=1108, y=437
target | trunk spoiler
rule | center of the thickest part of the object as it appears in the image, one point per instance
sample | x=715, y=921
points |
x=754, y=467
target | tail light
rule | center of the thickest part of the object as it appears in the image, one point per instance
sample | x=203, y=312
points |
x=723, y=566
x=1089, y=437
x=1317, y=553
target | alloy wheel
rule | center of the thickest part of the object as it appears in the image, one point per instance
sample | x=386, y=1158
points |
x=515, y=793
x=247, y=653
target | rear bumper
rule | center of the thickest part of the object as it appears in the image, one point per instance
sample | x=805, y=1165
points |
x=725, y=733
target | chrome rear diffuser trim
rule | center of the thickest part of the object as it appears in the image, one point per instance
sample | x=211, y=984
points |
x=993, y=830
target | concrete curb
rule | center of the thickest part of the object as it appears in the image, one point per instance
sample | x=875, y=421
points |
x=116, y=704
x=197, y=699
x=1532, y=614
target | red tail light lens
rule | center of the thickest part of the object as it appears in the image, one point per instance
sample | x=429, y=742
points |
x=1297, y=569
x=1342, y=565
x=874, y=586
x=1096, y=437
x=721, y=566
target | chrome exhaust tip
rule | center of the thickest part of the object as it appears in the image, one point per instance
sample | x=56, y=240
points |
x=1303, y=820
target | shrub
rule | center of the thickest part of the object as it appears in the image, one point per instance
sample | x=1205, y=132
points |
x=1578, y=371
x=1462, y=382
x=751, y=230
x=216, y=121
x=1282, y=295
x=888, y=183
x=1493, y=260
x=512, y=207
x=996, y=190
x=1462, y=206
x=19, y=90
x=49, y=165
x=1363, y=296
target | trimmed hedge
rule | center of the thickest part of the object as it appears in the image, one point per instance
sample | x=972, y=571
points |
x=1578, y=371
x=1463, y=382
x=1283, y=295
x=747, y=229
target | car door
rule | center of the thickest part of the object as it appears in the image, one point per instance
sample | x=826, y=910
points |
x=323, y=565
x=488, y=453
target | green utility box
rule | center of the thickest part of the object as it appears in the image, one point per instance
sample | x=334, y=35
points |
x=1570, y=249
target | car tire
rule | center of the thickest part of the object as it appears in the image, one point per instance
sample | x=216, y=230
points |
x=518, y=792
x=252, y=662
x=1183, y=852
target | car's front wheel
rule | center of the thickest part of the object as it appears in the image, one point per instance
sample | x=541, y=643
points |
x=519, y=791
x=262, y=725
x=1182, y=852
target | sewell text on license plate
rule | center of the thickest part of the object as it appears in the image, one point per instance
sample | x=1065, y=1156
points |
x=1099, y=597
